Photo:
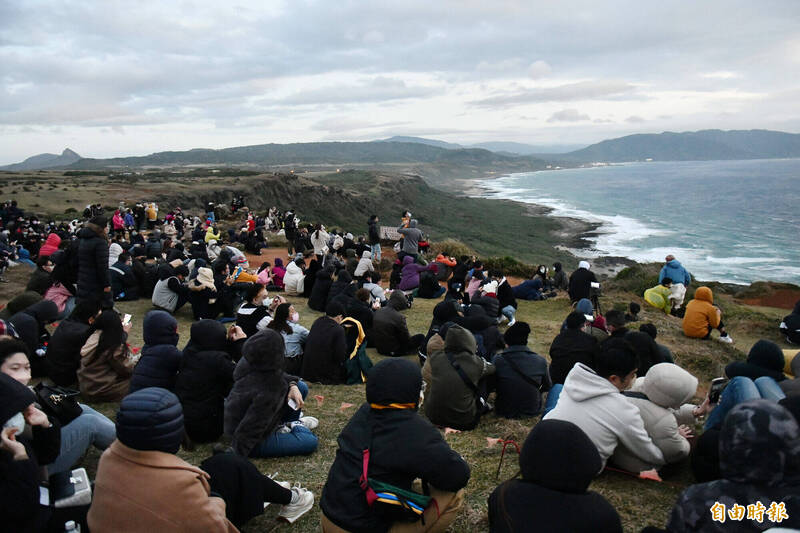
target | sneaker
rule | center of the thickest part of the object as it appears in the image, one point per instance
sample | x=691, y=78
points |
x=309, y=422
x=302, y=502
x=726, y=339
x=285, y=484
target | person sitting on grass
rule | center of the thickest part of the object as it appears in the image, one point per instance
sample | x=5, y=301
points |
x=253, y=314
x=702, y=317
x=160, y=357
x=106, y=360
x=557, y=463
x=591, y=400
x=141, y=471
x=63, y=356
x=409, y=273
x=660, y=296
x=790, y=325
x=521, y=375
x=388, y=418
x=263, y=412
x=170, y=293
x=294, y=336
x=326, y=348
x=390, y=334
x=572, y=345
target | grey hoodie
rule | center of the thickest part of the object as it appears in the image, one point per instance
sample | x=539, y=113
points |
x=411, y=237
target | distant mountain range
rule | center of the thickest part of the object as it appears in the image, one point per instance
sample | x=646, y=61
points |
x=510, y=148
x=40, y=161
x=446, y=160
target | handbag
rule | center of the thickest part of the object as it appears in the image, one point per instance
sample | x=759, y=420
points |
x=59, y=402
x=70, y=489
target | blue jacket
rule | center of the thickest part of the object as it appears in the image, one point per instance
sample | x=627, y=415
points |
x=158, y=366
x=675, y=271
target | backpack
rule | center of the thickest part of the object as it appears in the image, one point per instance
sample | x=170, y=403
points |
x=358, y=362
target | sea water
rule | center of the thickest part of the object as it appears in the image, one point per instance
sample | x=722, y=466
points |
x=731, y=221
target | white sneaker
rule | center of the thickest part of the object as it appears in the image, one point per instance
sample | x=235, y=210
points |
x=309, y=421
x=302, y=502
x=726, y=339
x=285, y=484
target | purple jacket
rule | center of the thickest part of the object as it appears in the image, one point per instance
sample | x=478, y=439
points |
x=409, y=275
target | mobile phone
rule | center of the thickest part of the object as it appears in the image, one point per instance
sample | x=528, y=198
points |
x=238, y=271
x=126, y=319
x=292, y=404
x=717, y=386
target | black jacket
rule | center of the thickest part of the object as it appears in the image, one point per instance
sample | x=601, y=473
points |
x=92, y=263
x=569, y=347
x=389, y=329
x=373, y=233
x=403, y=446
x=516, y=395
x=490, y=305
x=319, y=294
x=123, y=280
x=361, y=312
x=557, y=463
x=153, y=247
x=160, y=360
x=505, y=295
x=580, y=283
x=63, y=356
x=40, y=281
x=248, y=316
x=325, y=353
x=204, y=380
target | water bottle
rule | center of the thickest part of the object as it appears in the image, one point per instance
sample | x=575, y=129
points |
x=72, y=527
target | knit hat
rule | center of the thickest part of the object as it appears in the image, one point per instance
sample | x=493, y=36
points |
x=517, y=335
x=394, y=381
x=151, y=419
x=584, y=264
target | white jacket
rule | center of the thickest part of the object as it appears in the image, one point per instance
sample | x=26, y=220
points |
x=597, y=407
x=291, y=280
x=364, y=264
x=667, y=387
x=319, y=243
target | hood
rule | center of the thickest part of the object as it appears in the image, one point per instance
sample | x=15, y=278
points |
x=673, y=263
x=558, y=455
x=208, y=335
x=764, y=353
x=279, y=262
x=668, y=385
x=22, y=302
x=398, y=300
x=704, y=294
x=151, y=419
x=583, y=384
x=412, y=223
x=445, y=310
x=759, y=443
x=394, y=380
x=53, y=240
x=458, y=340
x=407, y=260
x=557, y=266
x=14, y=397
x=366, y=254
x=44, y=312
x=265, y=350
x=27, y=331
x=324, y=274
x=293, y=269
x=477, y=319
x=159, y=327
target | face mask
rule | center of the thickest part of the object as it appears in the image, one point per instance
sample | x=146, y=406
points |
x=295, y=317
x=16, y=421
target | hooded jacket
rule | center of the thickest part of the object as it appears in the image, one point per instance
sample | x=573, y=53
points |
x=254, y=406
x=63, y=356
x=667, y=388
x=291, y=280
x=559, y=279
x=204, y=380
x=389, y=329
x=373, y=232
x=403, y=446
x=597, y=407
x=516, y=395
x=364, y=264
x=409, y=273
x=569, y=347
x=123, y=280
x=153, y=247
x=759, y=451
x=50, y=245
x=764, y=359
x=160, y=360
x=319, y=293
x=450, y=401
x=790, y=326
x=325, y=353
x=700, y=314
x=92, y=263
x=580, y=284
x=558, y=462
x=342, y=289
x=675, y=271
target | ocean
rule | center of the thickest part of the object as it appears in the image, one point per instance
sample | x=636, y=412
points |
x=730, y=221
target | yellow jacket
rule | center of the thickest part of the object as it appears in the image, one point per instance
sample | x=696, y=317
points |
x=700, y=314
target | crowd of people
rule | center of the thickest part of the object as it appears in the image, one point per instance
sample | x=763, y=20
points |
x=242, y=378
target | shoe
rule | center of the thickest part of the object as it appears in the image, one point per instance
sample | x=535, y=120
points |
x=302, y=502
x=309, y=422
x=285, y=484
x=726, y=339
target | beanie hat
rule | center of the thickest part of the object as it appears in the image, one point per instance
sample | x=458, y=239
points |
x=766, y=354
x=517, y=335
x=575, y=320
x=151, y=419
x=584, y=264
x=394, y=380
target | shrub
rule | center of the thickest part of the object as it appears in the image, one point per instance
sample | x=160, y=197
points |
x=509, y=266
x=637, y=279
x=452, y=248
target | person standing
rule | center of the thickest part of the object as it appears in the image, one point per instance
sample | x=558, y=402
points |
x=94, y=283
x=411, y=237
x=580, y=282
x=680, y=280
x=374, y=234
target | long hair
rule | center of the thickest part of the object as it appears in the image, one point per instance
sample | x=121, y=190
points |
x=280, y=322
x=317, y=227
x=112, y=336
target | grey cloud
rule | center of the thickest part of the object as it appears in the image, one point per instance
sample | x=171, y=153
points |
x=377, y=90
x=568, y=115
x=634, y=119
x=585, y=90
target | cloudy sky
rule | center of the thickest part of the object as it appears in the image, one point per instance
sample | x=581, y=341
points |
x=114, y=78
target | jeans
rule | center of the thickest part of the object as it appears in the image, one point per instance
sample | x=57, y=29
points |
x=509, y=312
x=376, y=251
x=69, y=305
x=552, y=397
x=299, y=441
x=741, y=389
x=89, y=428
